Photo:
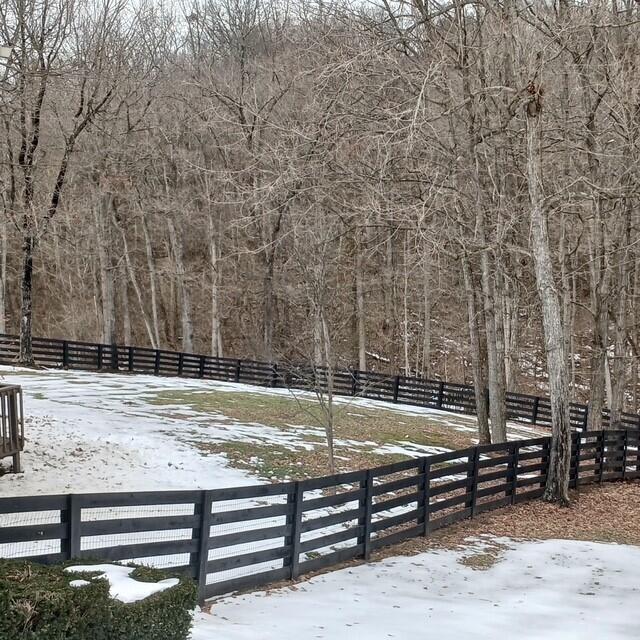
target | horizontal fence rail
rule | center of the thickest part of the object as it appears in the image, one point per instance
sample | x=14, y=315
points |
x=235, y=538
x=436, y=394
x=11, y=424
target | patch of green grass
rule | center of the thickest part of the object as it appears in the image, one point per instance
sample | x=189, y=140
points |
x=366, y=428
x=278, y=463
x=350, y=421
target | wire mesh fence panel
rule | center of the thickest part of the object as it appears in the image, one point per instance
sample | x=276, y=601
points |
x=633, y=454
x=31, y=533
x=124, y=527
x=533, y=464
x=494, y=477
x=451, y=481
x=33, y=527
x=330, y=523
x=397, y=506
x=249, y=536
x=588, y=458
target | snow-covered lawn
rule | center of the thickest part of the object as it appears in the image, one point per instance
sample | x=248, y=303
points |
x=90, y=432
x=552, y=590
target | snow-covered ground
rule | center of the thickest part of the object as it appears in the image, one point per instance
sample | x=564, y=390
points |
x=552, y=590
x=89, y=432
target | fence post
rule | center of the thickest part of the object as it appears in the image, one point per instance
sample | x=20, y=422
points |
x=514, y=471
x=427, y=498
x=114, y=357
x=156, y=364
x=625, y=446
x=180, y=363
x=475, y=458
x=296, y=525
x=72, y=517
x=130, y=359
x=355, y=382
x=534, y=413
x=201, y=367
x=99, y=356
x=204, y=506
x=585, y=420
x=238, y=367
x=602, y=454
x=396, y=388
x=65, y=354
x=365, y=507
x=274, y=376
x=578, y=453
x=440, y=394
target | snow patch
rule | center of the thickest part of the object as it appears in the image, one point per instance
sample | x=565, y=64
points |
x=121, y=585
x=552, y=590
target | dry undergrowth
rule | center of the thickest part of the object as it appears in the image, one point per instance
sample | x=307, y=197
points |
x=606, y=513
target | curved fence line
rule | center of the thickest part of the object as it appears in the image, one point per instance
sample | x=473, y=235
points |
x=436, y=394
x=241, y=537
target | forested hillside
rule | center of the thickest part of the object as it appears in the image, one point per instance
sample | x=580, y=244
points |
x=352, y=183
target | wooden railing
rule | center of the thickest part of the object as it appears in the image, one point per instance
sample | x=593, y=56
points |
x=11, y=424
x=436, y=394
x=234, y=538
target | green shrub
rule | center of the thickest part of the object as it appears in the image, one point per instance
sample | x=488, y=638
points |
x=37, y=603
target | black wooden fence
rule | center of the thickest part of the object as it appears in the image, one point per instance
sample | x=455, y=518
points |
x=421, y=392
x=228, y=539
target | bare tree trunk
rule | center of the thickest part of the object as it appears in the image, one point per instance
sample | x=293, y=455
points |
x=360, y=308
x=427, y=293
x=318, y=353
x=216, y=332
x=405, y=311
x=557, y=487
x=619, y=370
x=151, y=265
x=268, y=308
x=510, y=314
x=185, y=305
x=328, y=405
x=497, y=409
x=102, y=217
x=597, y=389
x=477, y=357
x=126, y=316
x=26, y=314
x=136, y=288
